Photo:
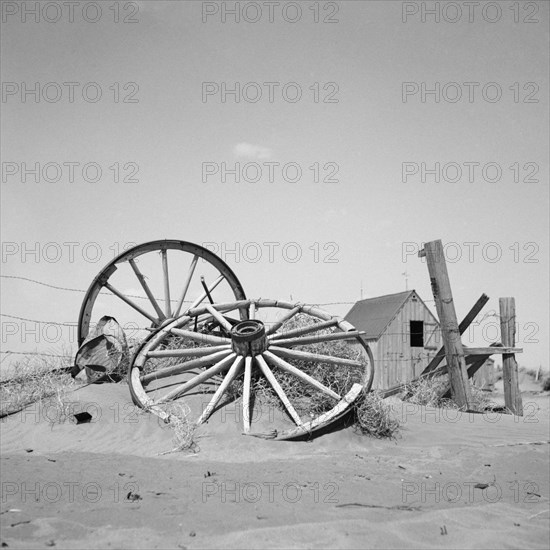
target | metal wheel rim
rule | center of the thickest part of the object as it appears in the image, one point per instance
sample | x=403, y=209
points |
x=103, y=276
x=224, y=359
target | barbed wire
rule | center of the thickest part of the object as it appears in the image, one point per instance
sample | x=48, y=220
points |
x=130, y=295
x=41, y=283
x=73, y=289
x=36, y=353
x=67, y=289
x=55, y=323
x=133, y=328
x=37, y=321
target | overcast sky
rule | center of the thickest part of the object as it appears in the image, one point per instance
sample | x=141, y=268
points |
x=370, y=96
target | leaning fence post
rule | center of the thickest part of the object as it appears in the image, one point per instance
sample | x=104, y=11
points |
x=512, y=395
x=441, y=288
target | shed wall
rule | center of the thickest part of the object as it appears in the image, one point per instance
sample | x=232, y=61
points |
x=395, y=361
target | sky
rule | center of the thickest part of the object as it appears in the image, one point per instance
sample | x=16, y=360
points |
x=359, y=130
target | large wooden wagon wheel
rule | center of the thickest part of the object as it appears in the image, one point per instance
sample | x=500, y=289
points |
x=157, y=281
x=302, y=355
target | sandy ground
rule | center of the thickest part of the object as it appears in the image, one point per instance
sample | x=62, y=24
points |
x=105, y=484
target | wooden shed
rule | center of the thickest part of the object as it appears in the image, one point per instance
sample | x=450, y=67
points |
x=402, y=332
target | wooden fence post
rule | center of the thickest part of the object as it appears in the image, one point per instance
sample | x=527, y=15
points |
x=465, y=323
x=441, y=288
x=512, y=395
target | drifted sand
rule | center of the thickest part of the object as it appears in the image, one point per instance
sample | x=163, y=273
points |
x=341, y=490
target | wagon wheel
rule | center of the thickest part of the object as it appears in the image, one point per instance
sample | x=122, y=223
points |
x=156, y=281
x=302, y=357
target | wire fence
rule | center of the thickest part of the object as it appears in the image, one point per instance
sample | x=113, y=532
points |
x=9, y=352
x=404, y=334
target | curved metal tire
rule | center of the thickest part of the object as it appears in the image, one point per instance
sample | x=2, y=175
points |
x=102, y=278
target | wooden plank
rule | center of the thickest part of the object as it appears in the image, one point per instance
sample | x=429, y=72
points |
x=471, y=361
x=466, y=322
x=475, y=364
x=512, y=395
x=441, y=289
x=492, y=350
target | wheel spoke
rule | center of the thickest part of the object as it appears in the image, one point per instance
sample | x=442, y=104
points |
x=278, y=390
x=282, y=364
x=319, y=338
x=219, y=317
x=200, y=299
x=149, y=251
x=146, y=288
x=223, y=307
x=229, y=377
x=190, y=352
x=201, y=337
x=186, y=285
x=288, y=315
x=206, y=291
x=199, y=379
x=318, y=358
x=167, y=304
x=246, y=393
x=130, y=302
x=305, y=330
x=186, y=366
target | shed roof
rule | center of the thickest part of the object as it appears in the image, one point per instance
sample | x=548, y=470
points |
x=373, y=315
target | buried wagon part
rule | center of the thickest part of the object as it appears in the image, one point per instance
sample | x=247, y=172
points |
x=166, y=275
x=104, y=353
x=301, y=359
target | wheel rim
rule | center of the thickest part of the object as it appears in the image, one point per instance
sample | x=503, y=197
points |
x=174, y=285
x=283, y=353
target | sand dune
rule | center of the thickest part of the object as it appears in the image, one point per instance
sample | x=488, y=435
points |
x=105, y=484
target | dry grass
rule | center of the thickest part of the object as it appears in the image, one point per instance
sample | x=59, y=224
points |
x=429, y=391
x=183, y=428
x=63, y=409
x=480, y=398
x=307, y=400
x=33, y=379
x=173, y=342
x=374, y=416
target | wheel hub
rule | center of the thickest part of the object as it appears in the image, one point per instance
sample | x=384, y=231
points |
x=249, y=338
